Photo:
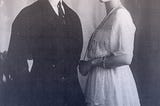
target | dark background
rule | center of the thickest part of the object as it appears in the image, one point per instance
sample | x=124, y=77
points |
x=146, y=61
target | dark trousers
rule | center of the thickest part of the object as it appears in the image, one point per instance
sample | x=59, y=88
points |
x=50, y=89
x=17, y=91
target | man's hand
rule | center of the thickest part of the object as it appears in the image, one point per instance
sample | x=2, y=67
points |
x=85, y=67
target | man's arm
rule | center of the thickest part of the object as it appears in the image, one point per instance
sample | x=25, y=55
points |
x=18, y=50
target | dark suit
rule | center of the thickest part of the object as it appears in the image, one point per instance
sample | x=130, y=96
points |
x=39, y=34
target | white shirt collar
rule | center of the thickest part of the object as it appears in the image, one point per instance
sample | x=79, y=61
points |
x=54, y=4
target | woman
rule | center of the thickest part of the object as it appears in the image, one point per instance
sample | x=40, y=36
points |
x=109, y=54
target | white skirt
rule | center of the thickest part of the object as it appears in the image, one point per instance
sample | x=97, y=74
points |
x=111, y=87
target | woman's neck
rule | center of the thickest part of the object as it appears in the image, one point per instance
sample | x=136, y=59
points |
x=111, y=4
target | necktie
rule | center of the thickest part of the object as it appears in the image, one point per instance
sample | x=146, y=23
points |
x=61, y=13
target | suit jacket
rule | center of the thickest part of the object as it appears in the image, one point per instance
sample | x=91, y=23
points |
x=38, y=34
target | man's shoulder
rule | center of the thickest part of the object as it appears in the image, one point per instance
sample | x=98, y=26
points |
x=31, y=8
x=70, y=10
x=27, y=12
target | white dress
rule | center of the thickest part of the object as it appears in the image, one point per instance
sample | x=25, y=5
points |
x=116, y=86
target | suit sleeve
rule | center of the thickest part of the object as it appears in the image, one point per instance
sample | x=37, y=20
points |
x=80, y=33
x=79, y=36
x=18, y=48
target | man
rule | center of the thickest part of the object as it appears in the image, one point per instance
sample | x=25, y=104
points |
x=49, y=33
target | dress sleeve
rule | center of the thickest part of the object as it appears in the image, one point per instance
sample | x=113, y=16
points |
x=123, y=34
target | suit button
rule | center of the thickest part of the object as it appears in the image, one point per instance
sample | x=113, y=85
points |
x=62, y=78
x=53, y=65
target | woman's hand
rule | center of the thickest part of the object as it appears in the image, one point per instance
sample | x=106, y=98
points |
x=97, y=61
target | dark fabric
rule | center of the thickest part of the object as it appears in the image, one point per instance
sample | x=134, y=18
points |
x=39, y=34
x=61, y=13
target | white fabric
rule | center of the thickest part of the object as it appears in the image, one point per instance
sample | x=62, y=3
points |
x=30, y=64
x=116, y=86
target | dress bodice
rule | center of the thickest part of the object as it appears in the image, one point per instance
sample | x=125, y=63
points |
x=115, y=35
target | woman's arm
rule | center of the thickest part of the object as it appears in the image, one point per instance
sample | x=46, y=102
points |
x=124, y=30
x=112, y=61
x=107, y=62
